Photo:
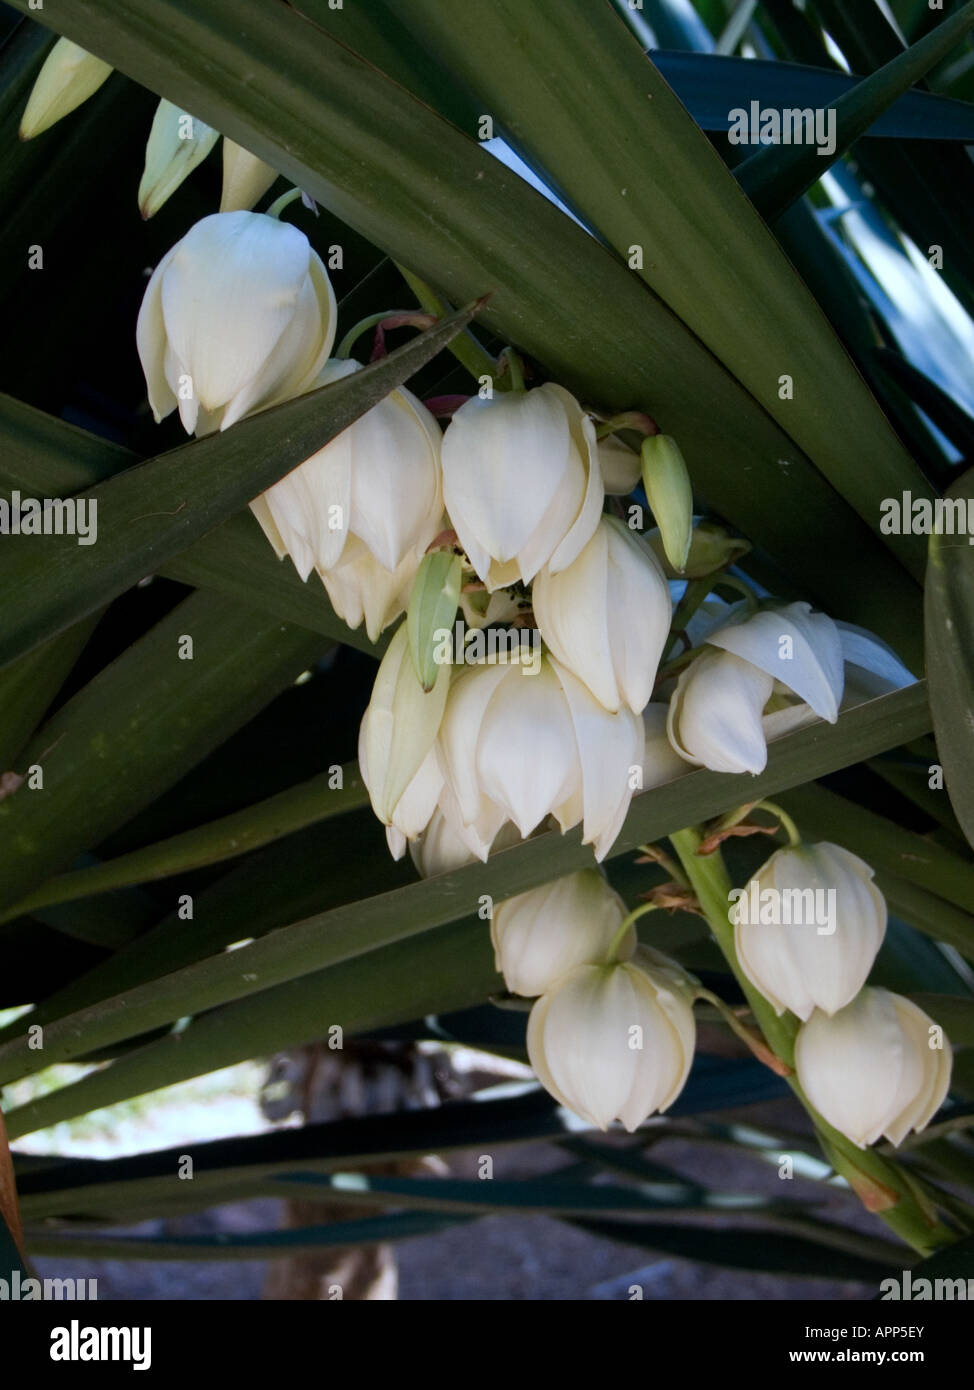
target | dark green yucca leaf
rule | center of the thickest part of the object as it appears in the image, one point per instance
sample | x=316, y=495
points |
x=620, y=348
x=778, y=175
x=414, y=910
x=157, y=509
x=950, y=653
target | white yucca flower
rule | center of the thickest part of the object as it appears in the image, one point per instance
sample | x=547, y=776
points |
x=614, y=1041
x=245, y=178
x=540, y=935
x=396, y=740
x=717, y=709
x=519, y=746
x=68, y=77
x=363, y=509
x=238, y=315
x=874, y=1068
x=606, y=616
x=808, y=926
x=177, y=144
x=521, y=482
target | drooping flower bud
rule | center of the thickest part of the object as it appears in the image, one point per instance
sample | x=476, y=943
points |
x=540, y=935
x=245, y=178
x=528, y=745
x=880, y=1066
x=177, y=143
x=69, y=77
x=396, y=737
x=668, y=490
x=237, y=316
x=606, y=616
x=808, y=926
x=521, y=482
x=362, y=510
x=614, y=1041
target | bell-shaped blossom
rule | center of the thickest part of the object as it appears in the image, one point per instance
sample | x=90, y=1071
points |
x=540, y=935
x=880, y=1066
x=525, y=745
x=606, y=616
x=614, y=1041
x=238, y=315
x=807, y=928
x=363, y=509
x=521, y=482
x=68, y=77
x=717, y=708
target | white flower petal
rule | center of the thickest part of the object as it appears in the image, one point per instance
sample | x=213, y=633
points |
x=800, y=648
x=715, y=713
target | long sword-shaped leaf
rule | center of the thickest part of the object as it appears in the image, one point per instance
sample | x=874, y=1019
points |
x=259, y=1245
x=345, y=932
x=384, y=162
x=308, y=873
x=711, y=86
x=778, y=175
x=315, y=800
x=153, y=511
x=930, y=914
x=771, y=1251
x=452, y=968
x=44, y=456
x=575, y=93
x=886, y=846
x=950, y=652
x=140, y=725
x=98, y=1185
x=28, y=686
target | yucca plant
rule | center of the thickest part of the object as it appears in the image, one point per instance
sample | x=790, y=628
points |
x=652, y=503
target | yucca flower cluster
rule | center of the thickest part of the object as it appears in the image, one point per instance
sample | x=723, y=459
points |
x=589, y=697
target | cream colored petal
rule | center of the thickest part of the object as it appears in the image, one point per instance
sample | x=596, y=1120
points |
x=245, y=178
x=503, y=462
x=526, y=754
x=177, y=144
x=792, y=644
x=230, y=291
x=715, y=713
x=151, y=343
x=610, y=749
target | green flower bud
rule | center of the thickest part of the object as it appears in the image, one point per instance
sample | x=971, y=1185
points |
x=712, y=548
x=667, y=485
x=432, y=609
